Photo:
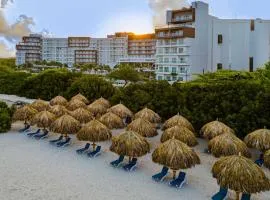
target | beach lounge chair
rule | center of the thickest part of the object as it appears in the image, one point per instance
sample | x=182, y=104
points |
x=160, y=176
x=245, y=196
x=33, y=133
x=206, y=151
x=41, y=136
x=117, y=162
x=95, y=153
x=131, y=165
x=27, y=127
x=179, y=181
x=57, y=140
x=259, y=162
x=221, y=195
x=81, y=151
x=64, y=143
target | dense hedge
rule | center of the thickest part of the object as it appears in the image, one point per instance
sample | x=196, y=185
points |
x=242, y=100
x=5, y=117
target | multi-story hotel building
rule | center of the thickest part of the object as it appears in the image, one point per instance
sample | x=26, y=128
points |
x=192, y=42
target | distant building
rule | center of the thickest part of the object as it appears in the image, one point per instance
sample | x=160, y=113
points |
x=192, y=42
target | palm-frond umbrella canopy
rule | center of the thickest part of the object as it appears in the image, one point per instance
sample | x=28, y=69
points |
x=81, y=98
x=58, y=100
x=40, y=105
x=82, y=115
x=25, y=113
x=121, y=110
x=259, y=139
x=43, y=119
x=66, y=125
x=112, y=121
x=94, y=131
x=180, y=133
x=75, y=104
x=143, y=127
x=175, y=155
x=240, y=174
x=103, y=101
x=266, y=158
x=97, y=109
x=215, y=128
x=226, y=145
x=178, y=120
x=58, y=110
x=130, y=144
x=148, y=115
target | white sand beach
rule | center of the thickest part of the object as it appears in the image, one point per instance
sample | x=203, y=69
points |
x=31, y=170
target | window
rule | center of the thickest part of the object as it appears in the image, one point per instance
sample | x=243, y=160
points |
x=166, y=60
x=166, y=69
x=180, y=79
x=167, y=42
x=252, y=25
x=182, y=60
x=181, y=50
x=167, y=50
x=251, y=64
x=173, y=69
x=174, y=50
x=173, y=60
x=160, y=78
x=160, y=69
x=219, y=66
x=220, y=39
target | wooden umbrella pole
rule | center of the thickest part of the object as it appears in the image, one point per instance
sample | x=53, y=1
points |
x=174, y=174
x=237, y=195
x=94, y=146
x=129, y=159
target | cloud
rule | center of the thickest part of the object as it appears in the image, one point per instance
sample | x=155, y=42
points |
x=5, y=2
x=6, y=52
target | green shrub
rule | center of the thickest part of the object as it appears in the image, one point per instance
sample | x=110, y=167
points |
x=5, y=117
x=92, y=87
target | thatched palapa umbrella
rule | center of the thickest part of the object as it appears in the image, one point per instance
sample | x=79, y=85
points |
x=94, y=131
x=215, y=128
x=58, y=110
x=103, y=101
x=143, y=127
x=82, y=115
x=75, y=104
x=226, y=145
x=130, y=144
x=266, y=159
x=259, y=139
x=43, y=119
x=112, y=121
x=121, y=110
x=148, y=115
x=240, y=174
x=81, y=98
x=178, y=120
x=40, y=105
x=97, y=109
x=58, y=100
x=175, y=155
x=66, y=125
x=25, y=114
x=180, y=133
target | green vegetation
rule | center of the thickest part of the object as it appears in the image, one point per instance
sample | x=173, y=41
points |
x=85, y=67
x=240, y=99
x=5, y=117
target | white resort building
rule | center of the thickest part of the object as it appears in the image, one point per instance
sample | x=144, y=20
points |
x=192, y=42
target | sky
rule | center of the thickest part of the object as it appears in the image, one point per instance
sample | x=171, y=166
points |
x=97, y=18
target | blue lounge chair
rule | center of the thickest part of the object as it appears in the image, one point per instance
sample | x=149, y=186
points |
x=131, y=165
x=41, y=136
x=259, y=162
x=179, y=181
x=221, y=194
x=64, y=143
x=81, y=151
x=245, y=196
x=95, y=153
x=33, y=133
x=160, y=176
x=27, y=127
x=57, y=140
x=117, y=162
